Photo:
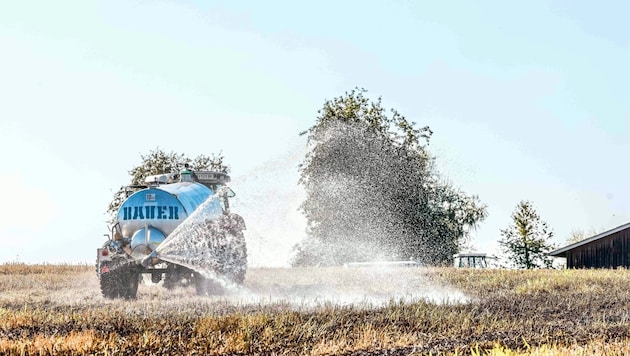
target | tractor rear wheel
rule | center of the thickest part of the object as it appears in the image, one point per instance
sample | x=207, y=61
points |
x=119, y=282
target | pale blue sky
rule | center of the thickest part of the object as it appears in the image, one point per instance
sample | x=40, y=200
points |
x=526, y=100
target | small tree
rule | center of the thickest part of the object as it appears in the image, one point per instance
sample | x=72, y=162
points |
x=526, y=240
x=158, y=162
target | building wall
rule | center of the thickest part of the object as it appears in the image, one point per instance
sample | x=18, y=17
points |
x=608, y=252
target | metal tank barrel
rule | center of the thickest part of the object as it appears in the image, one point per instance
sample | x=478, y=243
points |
x=148, y=216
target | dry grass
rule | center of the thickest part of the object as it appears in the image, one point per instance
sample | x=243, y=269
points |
x=58, y=310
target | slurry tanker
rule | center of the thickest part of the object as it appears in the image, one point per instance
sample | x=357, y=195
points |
x=178, y=228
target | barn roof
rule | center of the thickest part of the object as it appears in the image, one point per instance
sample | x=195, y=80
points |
x=561, y=252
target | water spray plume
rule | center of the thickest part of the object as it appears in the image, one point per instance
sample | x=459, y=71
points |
x=268, y=197
x=370, y=225
x=206, y=243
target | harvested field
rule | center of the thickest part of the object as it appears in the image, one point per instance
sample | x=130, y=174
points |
x=309, y=311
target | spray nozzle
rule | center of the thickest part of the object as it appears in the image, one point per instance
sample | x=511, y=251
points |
x=148, y=260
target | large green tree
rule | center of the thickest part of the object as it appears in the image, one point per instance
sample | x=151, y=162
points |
x=373, y=192
x=526, y=241
x=159, y=161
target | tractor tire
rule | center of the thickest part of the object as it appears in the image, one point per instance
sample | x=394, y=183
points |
x=120, y=282
x=109, y=282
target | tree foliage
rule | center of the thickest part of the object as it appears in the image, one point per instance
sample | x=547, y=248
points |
x=526, y=240
x=373, y=192
x=579, y=235
x=158, y=162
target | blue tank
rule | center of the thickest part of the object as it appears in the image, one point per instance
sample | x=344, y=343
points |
x=148, y=216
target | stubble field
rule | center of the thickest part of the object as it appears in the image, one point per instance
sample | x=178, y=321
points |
x=57, y=309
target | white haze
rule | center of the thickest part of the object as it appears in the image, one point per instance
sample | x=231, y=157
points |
x=291, y=288
x=363, y=287
x=309, y=288
x=268, y=198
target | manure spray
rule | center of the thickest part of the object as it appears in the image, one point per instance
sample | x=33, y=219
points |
x=269, y=198
x=188, y=245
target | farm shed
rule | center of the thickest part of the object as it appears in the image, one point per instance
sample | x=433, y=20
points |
x=609, y=249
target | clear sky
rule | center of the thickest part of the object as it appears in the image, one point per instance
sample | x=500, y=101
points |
x=527, y=101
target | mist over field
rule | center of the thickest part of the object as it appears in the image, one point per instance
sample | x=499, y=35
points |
x=293, y=288
x=268, y=197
